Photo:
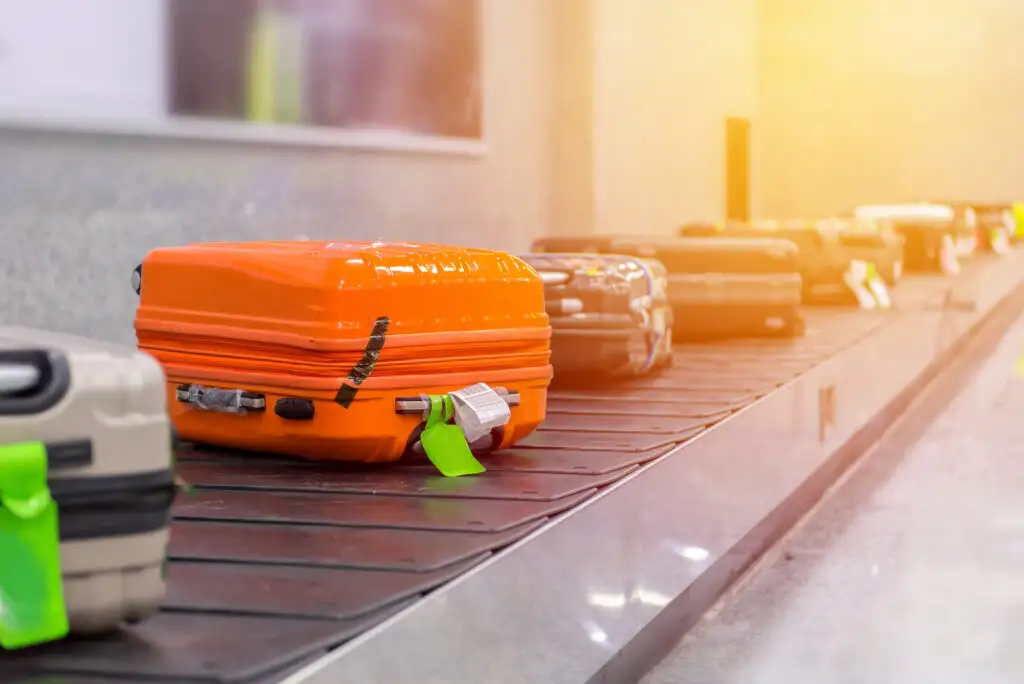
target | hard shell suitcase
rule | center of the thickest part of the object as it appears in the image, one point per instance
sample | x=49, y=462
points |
x=994, y=223
x=97, y=416
x=825, y=248
x=609, y=315
x=717, y=286
x=934, y=238
x=330, y=350
x=821, y=259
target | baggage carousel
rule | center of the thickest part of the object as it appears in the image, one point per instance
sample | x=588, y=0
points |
x=578, y=556
x=924, y=528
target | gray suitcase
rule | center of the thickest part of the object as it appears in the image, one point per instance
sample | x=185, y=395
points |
x=100, y=413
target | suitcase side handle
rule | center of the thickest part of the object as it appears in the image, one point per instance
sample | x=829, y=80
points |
x=220, y=400
x=32, y=381
x=413, y=406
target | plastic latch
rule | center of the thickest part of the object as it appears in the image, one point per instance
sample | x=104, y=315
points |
x=478, y=410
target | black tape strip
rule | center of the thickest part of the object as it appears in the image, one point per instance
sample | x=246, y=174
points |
x=347, y=393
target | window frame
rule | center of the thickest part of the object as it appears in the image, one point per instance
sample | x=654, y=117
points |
x=192, y=129
x=201, y=129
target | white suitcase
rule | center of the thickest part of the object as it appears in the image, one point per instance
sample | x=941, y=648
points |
x=99, y=411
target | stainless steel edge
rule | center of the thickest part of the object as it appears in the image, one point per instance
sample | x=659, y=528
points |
x=561, y=605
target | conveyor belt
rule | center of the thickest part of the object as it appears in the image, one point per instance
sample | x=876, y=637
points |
x=274, y=562
x=910, y=571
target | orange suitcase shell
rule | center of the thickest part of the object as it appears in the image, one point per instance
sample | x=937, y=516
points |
x=330, y=346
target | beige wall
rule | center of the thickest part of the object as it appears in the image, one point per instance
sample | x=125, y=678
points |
x=667, y=74
x=888, y=100
x=572, y=122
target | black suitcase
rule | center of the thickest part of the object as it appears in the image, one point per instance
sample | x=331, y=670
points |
x=935, y=236
x=718, y=287
x=610, y=315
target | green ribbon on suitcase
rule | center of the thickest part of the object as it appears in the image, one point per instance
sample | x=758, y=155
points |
x=32, y=609
x=445, y=444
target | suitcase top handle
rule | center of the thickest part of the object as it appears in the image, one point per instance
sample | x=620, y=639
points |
x=32, y=381
x=906, y=212
x=16, y=378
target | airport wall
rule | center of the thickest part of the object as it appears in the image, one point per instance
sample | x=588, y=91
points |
x=888, y=101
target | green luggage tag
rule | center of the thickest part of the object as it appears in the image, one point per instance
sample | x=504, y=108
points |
x=445, y=444
x=32, y=607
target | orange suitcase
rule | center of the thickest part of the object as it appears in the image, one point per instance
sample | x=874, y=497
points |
x=330, y=350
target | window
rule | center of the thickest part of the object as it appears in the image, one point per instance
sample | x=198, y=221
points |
x=410, y=66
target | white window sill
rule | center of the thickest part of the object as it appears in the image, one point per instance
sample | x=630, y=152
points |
x=283, y=135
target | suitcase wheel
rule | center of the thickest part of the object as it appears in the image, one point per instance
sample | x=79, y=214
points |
x=413, y=448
